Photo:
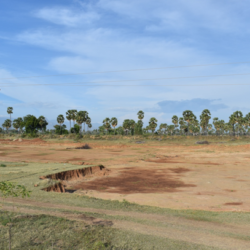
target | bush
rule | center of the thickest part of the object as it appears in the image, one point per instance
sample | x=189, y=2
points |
x=75, y=129
x=78, y=137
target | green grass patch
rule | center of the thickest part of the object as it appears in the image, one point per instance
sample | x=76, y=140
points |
x=48, y=232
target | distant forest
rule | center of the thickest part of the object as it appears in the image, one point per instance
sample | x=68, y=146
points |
x=80, y=123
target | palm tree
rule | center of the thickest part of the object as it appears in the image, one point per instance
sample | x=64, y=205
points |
x=80, y=119
x=18, y=123
x=73, y=115
x=126, y=125
x=42, y=122
x=182, y=124
x=153, y=124
x=106, y=124
x=196, y=125
x=69, y=118
x=238, y=117
x=188, y=116
x=171, y=129
x=219, y=125
x=85, y=117
x=10, y=111
x=114, y=122
x=163, y=126
x=175, y=120
x=88, y=121
x=132, y=126
x=89, y=125
x=16, y=126
x=7, y=124
x=60, y=120
x=140, y=115
x=205, y=117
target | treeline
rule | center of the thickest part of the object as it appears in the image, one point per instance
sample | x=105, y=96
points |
x=188, y=124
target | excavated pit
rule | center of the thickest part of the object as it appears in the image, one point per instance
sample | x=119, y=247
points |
x=72, y=176
x=77, y=173
x=58, y=187
x=129, y=180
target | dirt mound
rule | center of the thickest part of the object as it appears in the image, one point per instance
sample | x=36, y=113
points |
x=86, y=146
x=202, y=142
x=78, y=173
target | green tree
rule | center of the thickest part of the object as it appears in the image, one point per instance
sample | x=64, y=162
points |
x=204, y=118
x=7, y=124
x=114, y=122
x=80, y=119
x=138, y=127
x=10, y=111
x=18, y=123
x=175, y=120
x=126, y=125
x=153, y=124
x=171, y=129
x=132, y=127
x=89, y=125
x=31, y=124
x=238, y=117
x=182, y=124
x=42, y=123
x=88, y=121
x=188, y=117
x=61, y=130
x=106, y=124
x=60, y=119
x=15, y=125
x=76, y=129
x=85, y=116
x=73, y=115
x=140, y=115
x=219, y=125
x=69, y=117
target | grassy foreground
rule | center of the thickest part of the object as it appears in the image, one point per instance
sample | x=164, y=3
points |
x=48, y=232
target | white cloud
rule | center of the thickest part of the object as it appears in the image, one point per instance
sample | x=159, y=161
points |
x=124, y=40
x=187, y=16
x=67, y=17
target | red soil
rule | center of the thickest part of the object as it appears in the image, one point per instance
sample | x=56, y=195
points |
x=137, y=180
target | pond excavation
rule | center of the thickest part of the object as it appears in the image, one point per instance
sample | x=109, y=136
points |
x=122, y=181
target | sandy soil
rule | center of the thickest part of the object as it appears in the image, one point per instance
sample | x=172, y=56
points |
x=207, y=177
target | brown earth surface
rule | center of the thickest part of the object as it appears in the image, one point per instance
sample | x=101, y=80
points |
x=208, y=177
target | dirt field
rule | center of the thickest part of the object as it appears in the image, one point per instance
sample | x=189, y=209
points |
x=195, y=194
x=209, y=177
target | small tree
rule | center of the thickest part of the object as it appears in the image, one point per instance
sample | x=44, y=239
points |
x=153, y=124
x=114, y=122
x=106, y=124
x=60, y=120
x=10, y=111
x=7, y=124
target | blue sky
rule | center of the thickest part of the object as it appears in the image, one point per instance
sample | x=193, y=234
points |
x=74, y=36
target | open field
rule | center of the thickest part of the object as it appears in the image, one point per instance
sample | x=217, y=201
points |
x=168, y=194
